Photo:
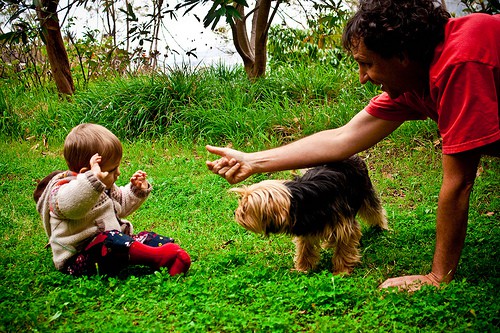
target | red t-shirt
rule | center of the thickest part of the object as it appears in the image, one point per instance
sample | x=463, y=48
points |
x=464, y=81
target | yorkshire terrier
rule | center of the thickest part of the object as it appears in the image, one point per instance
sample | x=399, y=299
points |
x=319, y=209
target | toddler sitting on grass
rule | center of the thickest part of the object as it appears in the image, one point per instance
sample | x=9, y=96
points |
x=82, y=210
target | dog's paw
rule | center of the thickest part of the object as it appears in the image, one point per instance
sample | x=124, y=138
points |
x=303, y=268
x=343, y=270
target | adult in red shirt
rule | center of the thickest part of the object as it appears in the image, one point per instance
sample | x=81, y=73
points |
x=428, y=65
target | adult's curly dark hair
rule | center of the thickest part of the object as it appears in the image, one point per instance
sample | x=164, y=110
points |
x=395, y=27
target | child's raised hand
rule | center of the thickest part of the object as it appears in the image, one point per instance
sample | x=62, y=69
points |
x=95, y=166
x=138, y=179
x=104, y=177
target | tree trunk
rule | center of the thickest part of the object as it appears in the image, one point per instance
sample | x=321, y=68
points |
x=443, y=4
x=260, y=30
x=241, y=42
x=253, y=50
x=56, y=51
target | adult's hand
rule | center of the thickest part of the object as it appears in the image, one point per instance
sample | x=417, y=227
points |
x=232, y=165
x=410, y=283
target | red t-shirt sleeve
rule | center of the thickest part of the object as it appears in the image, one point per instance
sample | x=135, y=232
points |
x=399, y=109
x=467, y=101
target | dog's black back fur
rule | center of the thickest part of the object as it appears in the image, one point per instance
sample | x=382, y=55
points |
x=325, y=194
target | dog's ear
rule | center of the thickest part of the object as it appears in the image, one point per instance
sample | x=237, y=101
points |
x=240, y=191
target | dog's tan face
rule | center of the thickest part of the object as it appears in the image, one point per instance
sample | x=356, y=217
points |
x=263, y=207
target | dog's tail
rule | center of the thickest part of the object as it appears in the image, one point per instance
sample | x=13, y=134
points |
x=372, y=212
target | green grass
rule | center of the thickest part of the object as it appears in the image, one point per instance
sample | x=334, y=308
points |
x=239, y=281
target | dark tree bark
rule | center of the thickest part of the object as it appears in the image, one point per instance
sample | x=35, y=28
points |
x=58, y=57
x=253, y=49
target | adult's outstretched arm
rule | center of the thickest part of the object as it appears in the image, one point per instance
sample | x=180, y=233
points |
x=361, y=132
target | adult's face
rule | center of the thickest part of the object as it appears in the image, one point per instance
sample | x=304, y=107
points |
x=395, y=75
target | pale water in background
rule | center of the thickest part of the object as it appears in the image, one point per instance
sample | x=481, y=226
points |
x=187, y=33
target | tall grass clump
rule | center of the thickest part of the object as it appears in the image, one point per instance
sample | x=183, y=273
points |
x=141, y=105
x=9, y=121
x=34, y=112
x=216, y=104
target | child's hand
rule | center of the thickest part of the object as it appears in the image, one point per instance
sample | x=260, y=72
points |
x=138, y=179
x=107, y=179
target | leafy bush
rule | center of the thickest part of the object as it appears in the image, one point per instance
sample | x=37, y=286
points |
x=320, y=43
x=480, y=6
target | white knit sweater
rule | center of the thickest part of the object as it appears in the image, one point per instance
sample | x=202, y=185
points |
x=75, y=207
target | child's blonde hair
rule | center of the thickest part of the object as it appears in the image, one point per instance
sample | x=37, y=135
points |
x=85, y=140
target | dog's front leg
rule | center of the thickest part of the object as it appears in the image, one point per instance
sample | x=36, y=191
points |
x=307, y=253
x=347, y=254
